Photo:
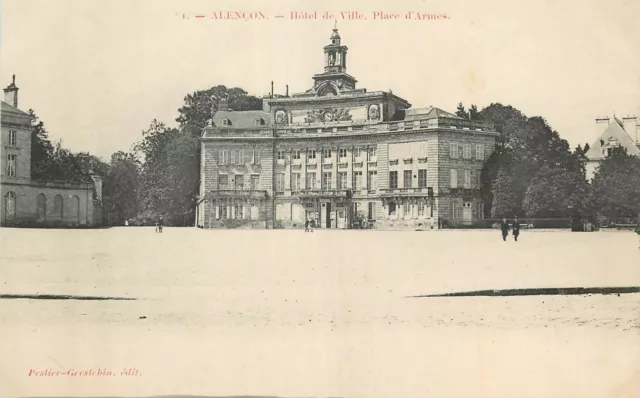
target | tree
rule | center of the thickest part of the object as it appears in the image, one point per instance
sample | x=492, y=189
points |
x=460, y=111
x=556, y=192
x=523, y=147
x=121, y=187
x=504, y=198
x=616, y=186
x=41, y=149
x=201, y=105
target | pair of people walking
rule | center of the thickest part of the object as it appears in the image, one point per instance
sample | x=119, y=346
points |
x=515, y=226
x=159, y=225
x=308, y=225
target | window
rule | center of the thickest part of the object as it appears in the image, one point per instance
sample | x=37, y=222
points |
x=234, y=156
x=479, y=151
x=342, y=153
x=295, y=182
x=422, y=178
x=406, y=209
x=393, y=179
x=326, y=153
x=238, y=211
x=371, y=214
x=453, y=150
x=223, y=181
x=342, y=180
x=357, y=153
x=280, y=182
x=259, y=121
x=326, y=181
x=357, y=180
x=478, y=178
x=453, y=183
x=609, y=151
x=224, y=157
x=371, y=154
x=12, y=138
x=372, y=181
x=421, y=210
x=226, y=122
x=240, y=159
x=11, y=165
x=456, y=210
x=392, y=208
x=406, y=181
x=295, y=154
x=467, y=179
x=466, y=151
x=222, y=212
x=256, y=156
x=311, y=180
x=255, y=182
x=280, y=155
x=311, y=154
x=239, y=182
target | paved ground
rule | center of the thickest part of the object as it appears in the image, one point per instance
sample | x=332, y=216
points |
x=294, y=314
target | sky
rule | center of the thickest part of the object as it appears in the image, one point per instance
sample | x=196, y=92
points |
x=98, y=72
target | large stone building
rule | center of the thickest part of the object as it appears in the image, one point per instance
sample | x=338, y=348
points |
x=336, y=152
x=612, y=133
x=27, y=202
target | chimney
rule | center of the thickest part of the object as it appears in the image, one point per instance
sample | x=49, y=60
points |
x=11, y=93
x=287, y=90
x=631, y=126
x=601, y=125
x=271, y=88
x=223, y=104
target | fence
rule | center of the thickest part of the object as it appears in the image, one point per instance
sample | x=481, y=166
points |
x=525, y=223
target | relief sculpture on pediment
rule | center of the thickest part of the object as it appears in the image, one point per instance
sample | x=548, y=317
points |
x=327, y=115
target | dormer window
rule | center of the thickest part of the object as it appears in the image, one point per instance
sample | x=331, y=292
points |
x=226, y=122
x=609, y=151
x=259, y=121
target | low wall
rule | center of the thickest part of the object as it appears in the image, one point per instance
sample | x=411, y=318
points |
x=46, y=204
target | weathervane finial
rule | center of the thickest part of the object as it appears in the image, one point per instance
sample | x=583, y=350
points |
x=335, y=24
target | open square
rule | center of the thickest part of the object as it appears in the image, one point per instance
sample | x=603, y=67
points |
x=329, y=313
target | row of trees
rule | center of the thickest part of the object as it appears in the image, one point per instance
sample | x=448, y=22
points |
x=533, y=172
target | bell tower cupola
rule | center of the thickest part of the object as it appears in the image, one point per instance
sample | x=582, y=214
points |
x=335, y=78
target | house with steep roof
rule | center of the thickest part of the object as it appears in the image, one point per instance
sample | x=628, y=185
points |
x=612, y=133
x=36, y=203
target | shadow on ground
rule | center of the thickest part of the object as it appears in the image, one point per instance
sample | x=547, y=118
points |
x=558, y=291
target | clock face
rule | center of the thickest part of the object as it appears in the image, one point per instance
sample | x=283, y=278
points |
x=328, y=116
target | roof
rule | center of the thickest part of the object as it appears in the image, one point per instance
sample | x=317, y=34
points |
x=613, y=133
x=241, y=119
x=428, y=113
x=12, y=109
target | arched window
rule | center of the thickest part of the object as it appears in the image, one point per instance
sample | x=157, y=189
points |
x=41, y=208
x=10, y=206
x=74, y=214
x=57, y=208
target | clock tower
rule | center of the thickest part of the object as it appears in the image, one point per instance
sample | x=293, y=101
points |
x=335, y=79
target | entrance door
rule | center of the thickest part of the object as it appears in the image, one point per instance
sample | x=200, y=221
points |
x=467, y=213
x=328, y=216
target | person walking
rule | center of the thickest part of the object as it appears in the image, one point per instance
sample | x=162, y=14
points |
x=160, y=224
x=516, y=228
x=306, y=225
x=504, y=226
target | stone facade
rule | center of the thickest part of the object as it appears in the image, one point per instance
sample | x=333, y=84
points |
x=27, y=202
x=335, y=154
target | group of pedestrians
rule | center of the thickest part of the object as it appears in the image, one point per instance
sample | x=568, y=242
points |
x=515, y=227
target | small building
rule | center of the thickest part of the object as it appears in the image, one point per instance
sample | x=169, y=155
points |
x=32, y=203
x=336, y=153
x=612, y=133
